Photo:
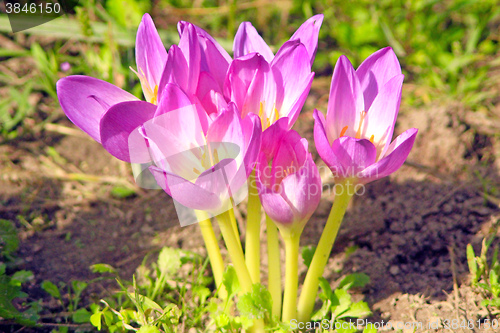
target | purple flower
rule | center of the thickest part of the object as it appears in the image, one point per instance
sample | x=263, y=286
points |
x=289, y=184
x=202, y=170
x=85, y=100
x=355, y=139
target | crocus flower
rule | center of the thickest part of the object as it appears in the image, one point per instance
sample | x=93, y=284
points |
x=355, y=139
x=289, y=184
x=200, y=170
x=85, y=99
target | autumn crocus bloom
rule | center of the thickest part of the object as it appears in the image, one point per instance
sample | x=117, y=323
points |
x=85, y=99
x=289, y=185
x=202, y=170
x=355, y=138
x=272, y=86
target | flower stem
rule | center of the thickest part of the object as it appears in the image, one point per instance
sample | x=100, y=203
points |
x=273, y=265
x=235, y=251
x=292, y=241
x=213, y=251
x=252, y=244
x=235, y=226
x=238, y=260
x=322, y=253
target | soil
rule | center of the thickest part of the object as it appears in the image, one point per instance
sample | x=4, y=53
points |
x=408, y=232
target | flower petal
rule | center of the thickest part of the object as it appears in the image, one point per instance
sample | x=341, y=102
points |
x=119, y=122
x=150, y=54
x=302, y=190
x=396, y=155
x=323, y=147
x=182, y=25
x=190, y=47
x=354, y=156
x=308, y=35
x=249, y=83
x=272, y=136
x=292, y=73
x=346, y=101
x=381, y=117
x=185, y=192
x=376, y=71
x=248, y=40
x=176, y=71
x=84, y=99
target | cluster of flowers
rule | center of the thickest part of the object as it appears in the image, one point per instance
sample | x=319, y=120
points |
x=209, y=120
x=205, y=111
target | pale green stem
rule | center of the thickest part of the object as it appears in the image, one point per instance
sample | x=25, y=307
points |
x=292, y=240
x=252, y=244
x=273, y=265
x=238, y=260
x=235, y=252
x=235, y=227
x=322, y=253
x=213, y=250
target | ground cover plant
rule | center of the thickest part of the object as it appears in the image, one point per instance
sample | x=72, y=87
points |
x=408, y=234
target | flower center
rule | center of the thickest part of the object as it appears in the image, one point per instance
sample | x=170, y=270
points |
x=151, y=94
x=264, y=119
x=360, y=126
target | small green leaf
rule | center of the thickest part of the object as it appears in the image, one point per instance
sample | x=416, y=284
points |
x=122, y=192
x=343, y=299
x=370, y=328
x=81, y=316
x=355, y=280
x=103, y=268
x=51, y=288
x=471, y=260
x=357, y=310
x=169, y=261
x=307, y=254
x=148, y=329
x=256, y=304
x=230, y=281
x=8, y=237
x=20, y=277
x=95, y=320
x=325, y=287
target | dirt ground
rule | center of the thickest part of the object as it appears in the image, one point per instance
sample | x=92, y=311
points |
x=408, y=232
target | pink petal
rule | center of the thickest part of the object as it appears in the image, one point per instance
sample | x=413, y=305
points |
x=84, y=99
x=190, y=47
x=396, y=155
x=176, y=71
x=354, y=156
x=302, y=190
x=247, y=83
x=185, y=192
x=381, y=117
x=248, y=40
x=119, y=122
x=323, y=147
x=182, y=25
x=307, y=33
x=292, y=73
x=346, y=101
x=272, y=136
x=376, y=71
x=150, y=54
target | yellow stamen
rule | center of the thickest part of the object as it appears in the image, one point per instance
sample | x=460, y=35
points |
x=361, y=119
x=342, y=133
x=216, y=156
x=196, y=171
x=154, y=99
x=372, y=138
